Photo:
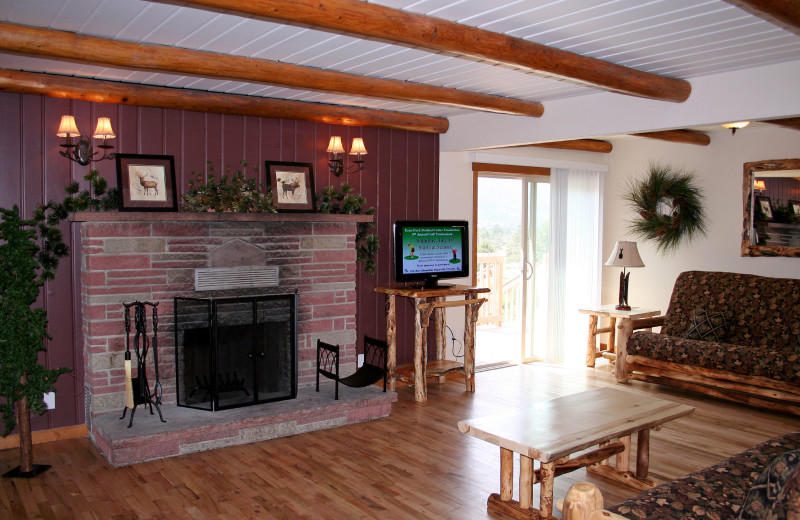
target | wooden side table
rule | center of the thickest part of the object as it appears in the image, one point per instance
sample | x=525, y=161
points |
x=608, y=311
x=425, y=302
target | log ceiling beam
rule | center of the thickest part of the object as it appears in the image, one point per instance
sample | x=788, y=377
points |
x=371, y=20
x=783, y=13
x=584, y=145
x=678, y=136
x=100, y=91
x=787, y=122
x=69, y=46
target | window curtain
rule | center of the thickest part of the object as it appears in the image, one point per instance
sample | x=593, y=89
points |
x=575, y=260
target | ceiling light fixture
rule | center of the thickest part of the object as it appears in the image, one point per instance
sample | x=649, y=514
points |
x=736, y=126
x=82, y=152
x=336, y=155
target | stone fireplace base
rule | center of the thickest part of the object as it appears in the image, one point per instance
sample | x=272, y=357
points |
x=154, y=257
x=190, y=431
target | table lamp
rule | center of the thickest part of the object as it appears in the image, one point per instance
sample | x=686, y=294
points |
x=624, y=255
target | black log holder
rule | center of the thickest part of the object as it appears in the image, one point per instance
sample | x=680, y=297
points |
x=139, y=387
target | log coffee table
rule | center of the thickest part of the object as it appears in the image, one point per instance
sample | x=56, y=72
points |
x=552, y=431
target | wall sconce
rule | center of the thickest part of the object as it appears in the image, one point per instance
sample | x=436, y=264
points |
x=336, y=153
x=82, y=152
x=736, y=126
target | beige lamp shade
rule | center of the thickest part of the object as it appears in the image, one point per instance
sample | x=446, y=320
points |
x=104, y=130
x=68, y=128
x=760, y=185
x=335, y=145
x=625, y=254
x=358, y=147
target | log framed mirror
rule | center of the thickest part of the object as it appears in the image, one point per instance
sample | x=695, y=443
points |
x=771, y=204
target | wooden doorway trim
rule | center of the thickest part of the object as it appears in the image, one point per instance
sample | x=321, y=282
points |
x=481, y=167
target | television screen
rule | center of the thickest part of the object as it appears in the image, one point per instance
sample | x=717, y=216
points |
x=430, y=250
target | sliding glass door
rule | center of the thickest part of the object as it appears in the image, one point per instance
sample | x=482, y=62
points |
x=513, y=238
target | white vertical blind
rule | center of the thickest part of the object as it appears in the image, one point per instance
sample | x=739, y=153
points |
x=575, y=259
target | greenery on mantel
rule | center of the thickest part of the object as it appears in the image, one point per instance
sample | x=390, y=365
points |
x=30, y=251
x=94, y=199
x=668, y=205
x=344, y=200
x=233, y=193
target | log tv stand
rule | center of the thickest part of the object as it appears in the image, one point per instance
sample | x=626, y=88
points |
x=427, y=302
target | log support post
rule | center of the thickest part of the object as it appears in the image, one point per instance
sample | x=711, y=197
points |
x=506, y=474
x=525, y=482
x=391, y=341
x=642, y=453
x=621, y=367
x=591, y=342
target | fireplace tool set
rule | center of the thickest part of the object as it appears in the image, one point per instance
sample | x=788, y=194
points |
x=137, y=389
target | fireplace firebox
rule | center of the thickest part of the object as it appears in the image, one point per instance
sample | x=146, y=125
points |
x=232, y=352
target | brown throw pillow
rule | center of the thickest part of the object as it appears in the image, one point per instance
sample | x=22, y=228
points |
x=708, y=326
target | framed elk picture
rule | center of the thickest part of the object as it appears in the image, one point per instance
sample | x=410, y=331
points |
x=146, y=182
x=292, y=185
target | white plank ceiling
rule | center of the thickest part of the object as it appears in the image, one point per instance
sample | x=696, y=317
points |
x=678, y=38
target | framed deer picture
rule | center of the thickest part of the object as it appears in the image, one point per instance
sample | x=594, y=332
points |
x=146, y=182
x=292, y=185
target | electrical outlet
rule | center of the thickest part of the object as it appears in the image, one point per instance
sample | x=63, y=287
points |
x=50, y=400
x=360, y=361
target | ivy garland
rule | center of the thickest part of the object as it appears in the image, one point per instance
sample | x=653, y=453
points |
x=669, y=207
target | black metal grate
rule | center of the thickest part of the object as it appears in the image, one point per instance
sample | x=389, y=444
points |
x=232, y=352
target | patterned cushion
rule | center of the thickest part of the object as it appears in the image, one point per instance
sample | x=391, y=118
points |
x=708, y=326
x=776, y=493
x=764, y=311
x=779, y=364
x=716, y=492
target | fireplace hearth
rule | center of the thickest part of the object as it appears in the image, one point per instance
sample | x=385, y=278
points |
x=233, y=352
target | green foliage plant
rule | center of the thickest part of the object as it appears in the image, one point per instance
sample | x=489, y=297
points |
x=232, y=193
x=668, y=206
x=30, y=251
x=345, y=200
x=93, y=199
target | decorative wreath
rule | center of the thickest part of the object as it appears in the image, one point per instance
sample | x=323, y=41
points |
x=669, y=207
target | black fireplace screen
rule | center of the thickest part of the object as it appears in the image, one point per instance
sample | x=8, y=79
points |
x=232, y=352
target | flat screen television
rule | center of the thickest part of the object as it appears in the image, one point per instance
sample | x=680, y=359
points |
x=427, y=251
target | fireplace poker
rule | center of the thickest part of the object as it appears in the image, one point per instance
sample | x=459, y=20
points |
x=158, y=391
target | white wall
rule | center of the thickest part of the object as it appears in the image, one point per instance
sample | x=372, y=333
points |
x=719, y=174
x=718, y=168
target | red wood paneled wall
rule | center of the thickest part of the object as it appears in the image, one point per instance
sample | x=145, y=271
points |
x=400, y=179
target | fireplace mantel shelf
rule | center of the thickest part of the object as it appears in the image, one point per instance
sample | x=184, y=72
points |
x=190, y=216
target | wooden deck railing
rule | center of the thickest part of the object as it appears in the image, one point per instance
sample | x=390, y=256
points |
x=501, y=305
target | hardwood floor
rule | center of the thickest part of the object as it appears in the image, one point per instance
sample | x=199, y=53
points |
x=413, y=465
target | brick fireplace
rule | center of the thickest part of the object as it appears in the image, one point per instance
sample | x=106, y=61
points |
x=153, y=257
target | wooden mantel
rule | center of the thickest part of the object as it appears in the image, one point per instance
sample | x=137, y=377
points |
x=193, y=216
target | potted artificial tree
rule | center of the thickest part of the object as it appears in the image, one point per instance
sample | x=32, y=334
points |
x=29, y=254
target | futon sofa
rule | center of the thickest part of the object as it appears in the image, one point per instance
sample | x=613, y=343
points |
x=728, y=335
x=762, y=482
